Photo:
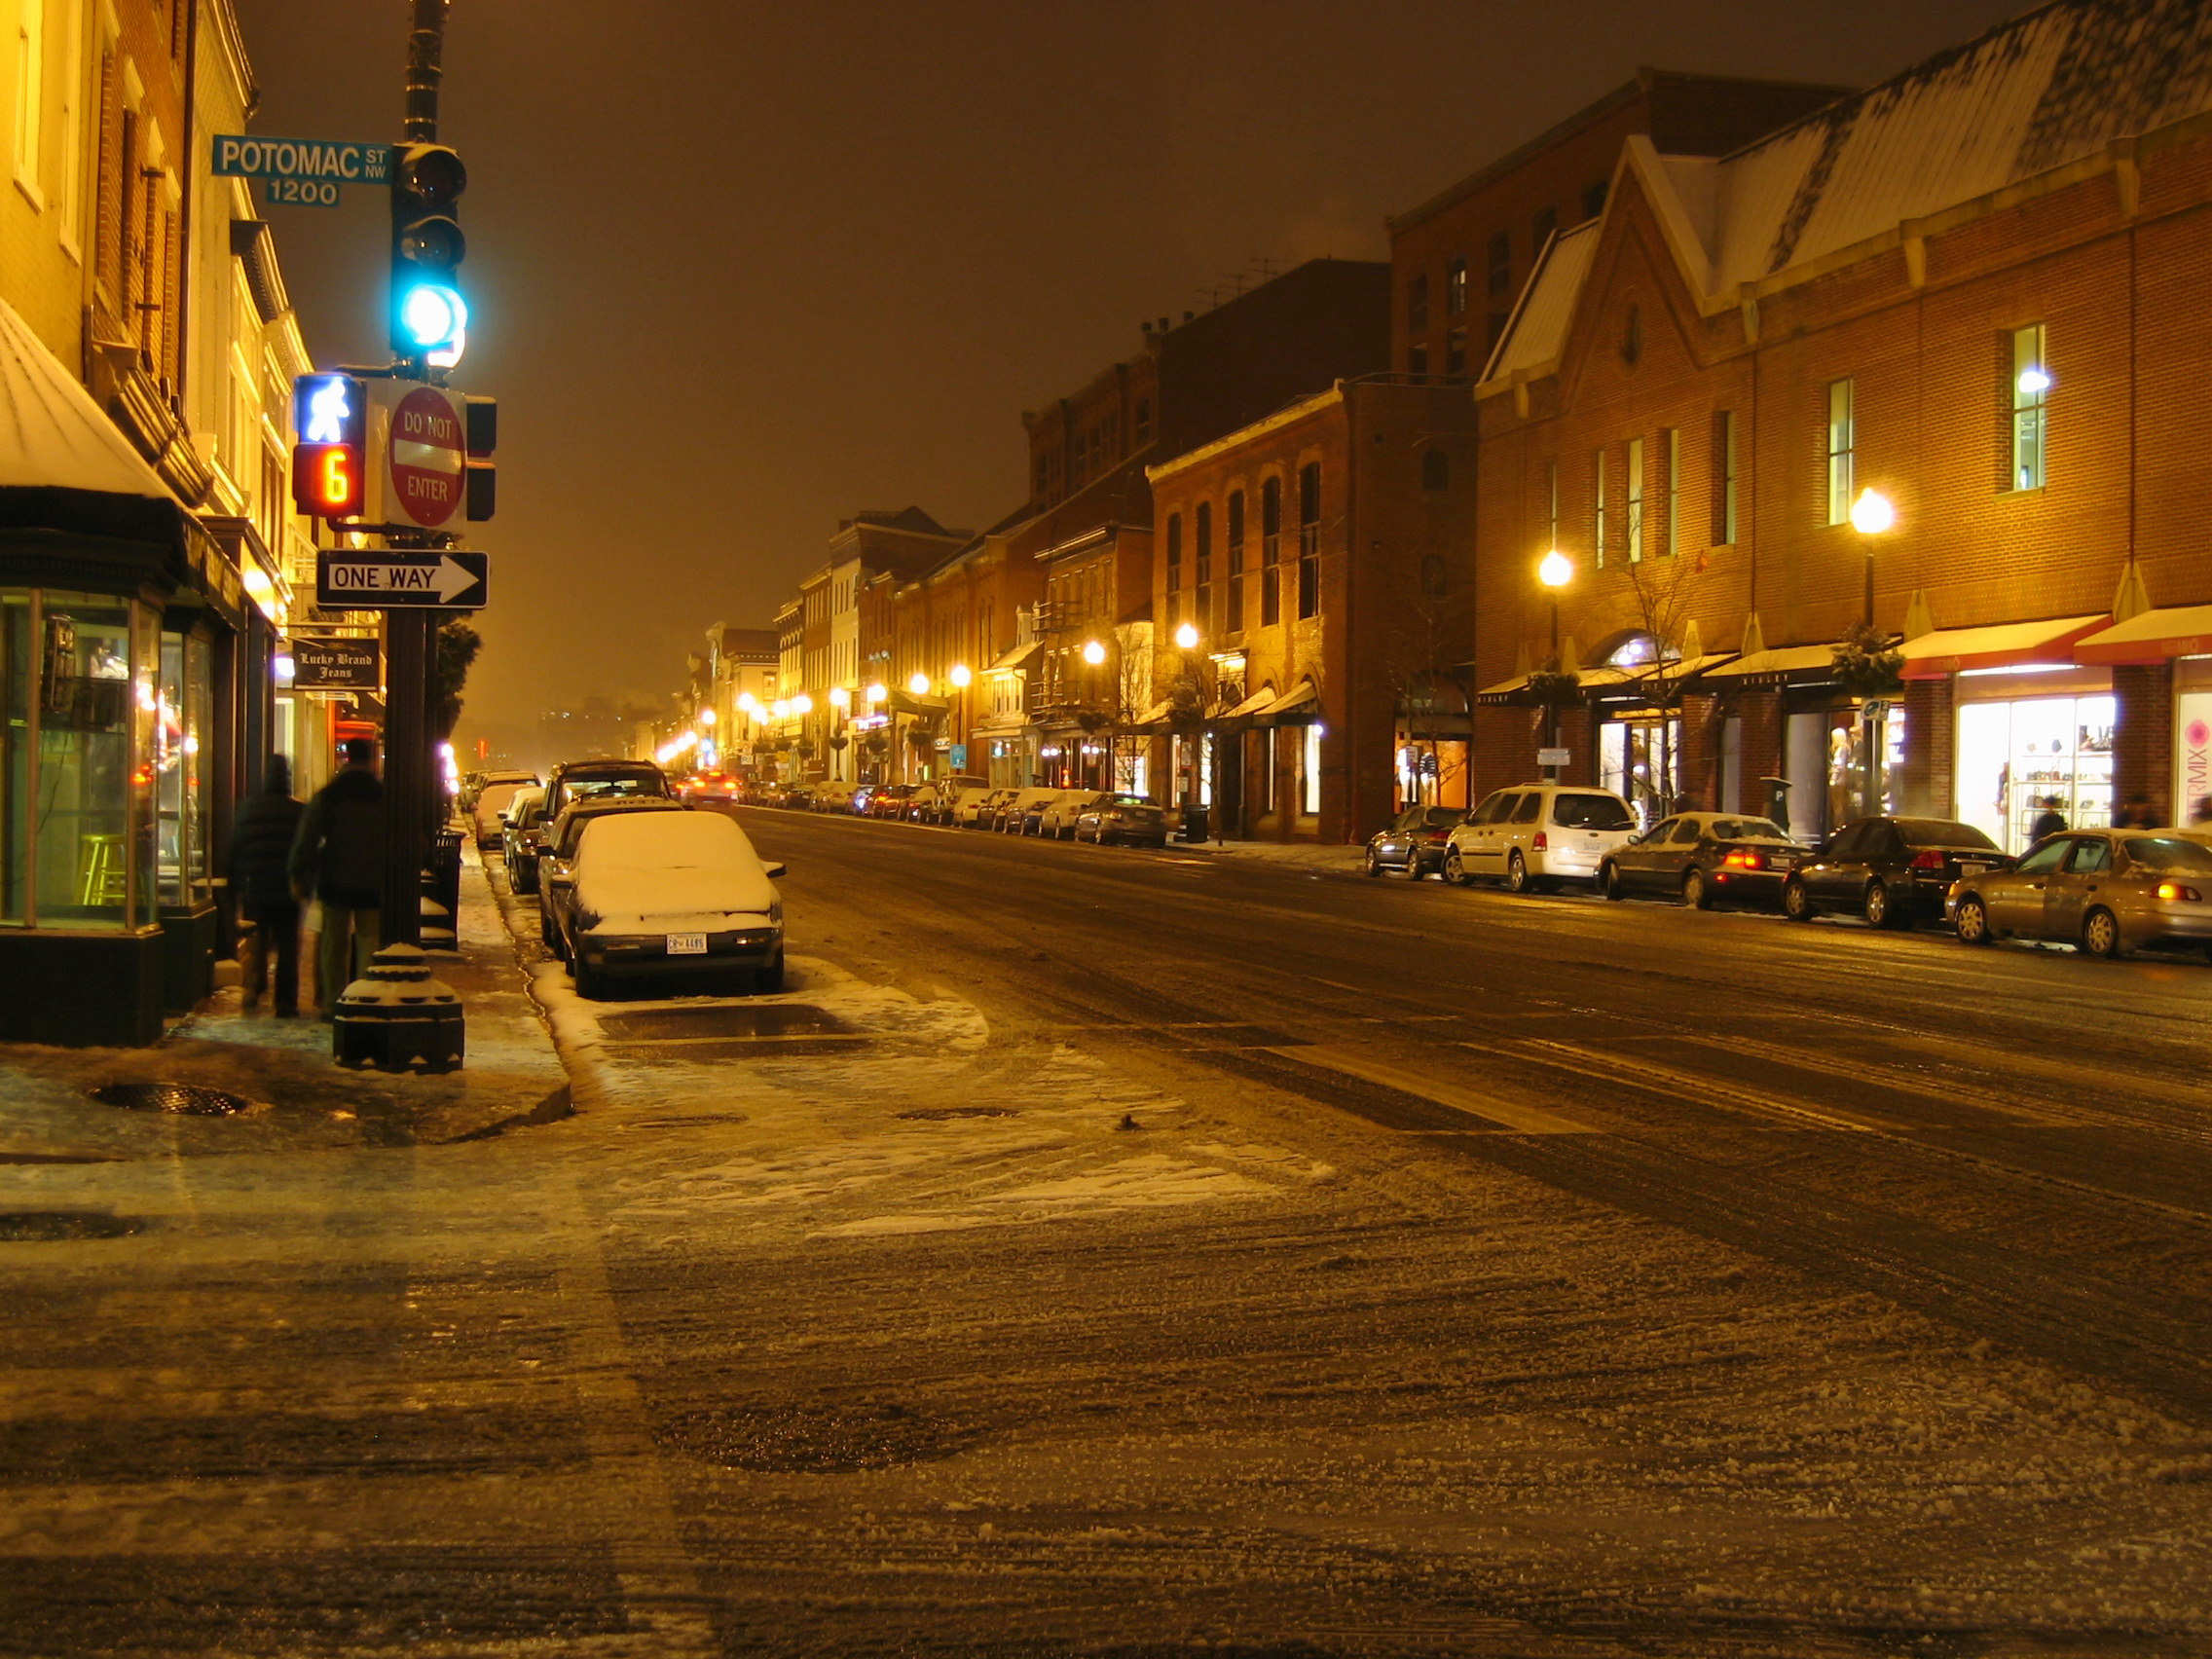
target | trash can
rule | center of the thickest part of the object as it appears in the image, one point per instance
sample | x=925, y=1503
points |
x=1195, y=822
x=441, y=877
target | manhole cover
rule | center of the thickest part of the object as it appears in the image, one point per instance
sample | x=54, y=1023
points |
x=34, y=1227
x=187, y=1098
x=826, y=1440
x=939, y=1114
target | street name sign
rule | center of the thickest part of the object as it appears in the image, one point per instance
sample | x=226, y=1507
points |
x=337, y=162
x=337, y=665
x=400, y=582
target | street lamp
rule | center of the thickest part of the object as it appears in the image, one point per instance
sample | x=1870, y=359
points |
x=961, y=677
x=876, y=693
x=1093, y=653
x=918, y=684
x=1555, y=569
x=839, y=697
x=1187, y=637
x=1871, y=515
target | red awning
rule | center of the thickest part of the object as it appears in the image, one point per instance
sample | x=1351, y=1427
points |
x=2154, y=635
x=2007, y=644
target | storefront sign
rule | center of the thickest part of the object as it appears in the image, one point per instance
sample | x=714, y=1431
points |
x=336, y=664
x=2192, y=753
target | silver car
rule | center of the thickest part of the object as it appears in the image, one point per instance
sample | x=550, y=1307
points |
x=2104, y=891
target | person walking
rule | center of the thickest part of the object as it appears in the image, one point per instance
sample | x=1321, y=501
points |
x=2048, y=822
x=338, y=860
x=2137, y=814
x=261, y=849
x=2201, y=813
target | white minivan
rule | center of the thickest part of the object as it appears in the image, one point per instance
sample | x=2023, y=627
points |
x=1535, y=836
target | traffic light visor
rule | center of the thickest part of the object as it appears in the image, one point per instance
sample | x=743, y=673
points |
x=437, y=242
x=432, y=175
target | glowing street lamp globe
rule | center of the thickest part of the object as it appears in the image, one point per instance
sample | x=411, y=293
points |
x=876, y=693
x=1872, y=514
x=918, y=684
x=1186, y=635
x=1094, y=653
x=802, y=704
x=1555, y=569
x=839, y=697
x=960, y=676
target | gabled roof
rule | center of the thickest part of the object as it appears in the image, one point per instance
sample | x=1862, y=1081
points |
x=1537, y=332
x=2062, y=87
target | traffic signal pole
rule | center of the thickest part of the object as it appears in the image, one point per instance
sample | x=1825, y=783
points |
x=410, y=788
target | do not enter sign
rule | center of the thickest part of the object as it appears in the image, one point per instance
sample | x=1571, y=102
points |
x=426, y=458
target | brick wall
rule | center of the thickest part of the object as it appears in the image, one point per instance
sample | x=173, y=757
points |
x=2142, y=743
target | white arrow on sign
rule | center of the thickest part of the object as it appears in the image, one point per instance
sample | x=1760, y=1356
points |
x=448, y=578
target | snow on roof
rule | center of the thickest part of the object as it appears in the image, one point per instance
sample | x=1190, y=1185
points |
x=1539, y=329
x=53, y=436
x=2044, y=90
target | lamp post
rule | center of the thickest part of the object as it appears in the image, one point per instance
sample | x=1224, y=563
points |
x=962, y=677
x=840, y=710
x=1871, y=515
x=1555, y=569
x=1094, y=654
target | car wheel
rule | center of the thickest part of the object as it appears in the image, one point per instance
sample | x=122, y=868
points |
x=1454, y=872
x=1412, y=869
x=1373, y=864
x=1876, y=908
x=1610, y=882
x=2100, y=935
x=1516, y=874
x=1971, y=921
x=769, y=980
x=1696, y=896
x=1796, y=903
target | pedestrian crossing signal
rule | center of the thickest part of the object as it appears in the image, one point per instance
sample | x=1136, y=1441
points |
x=330, y=420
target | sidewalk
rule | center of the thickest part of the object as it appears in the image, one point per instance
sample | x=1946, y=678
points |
x=299, y=1099
x=1305, y=854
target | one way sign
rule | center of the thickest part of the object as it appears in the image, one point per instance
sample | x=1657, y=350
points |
x=393, y=582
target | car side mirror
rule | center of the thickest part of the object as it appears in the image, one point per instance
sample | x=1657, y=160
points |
x=771, y=871
x=561, y=878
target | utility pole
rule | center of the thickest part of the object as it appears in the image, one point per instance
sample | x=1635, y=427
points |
x=410, y=789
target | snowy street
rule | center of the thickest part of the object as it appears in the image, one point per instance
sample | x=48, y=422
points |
x=1112, y=1252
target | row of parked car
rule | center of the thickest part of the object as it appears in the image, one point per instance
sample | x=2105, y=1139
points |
x=632, y=881
x=1105, y=817
x=2106, y=891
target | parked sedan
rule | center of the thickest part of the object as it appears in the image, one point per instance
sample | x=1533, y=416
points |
x=555, y=863
x=1894, y=871
x=490, y=801
x=1704, y=859
x=656, y=895
x=1414, y=845
x=1127, y=820
x=523, y=838
x=968, y=803
x=1020, y=813
x=2104, y=891
x=888, y=801
x=983, y=812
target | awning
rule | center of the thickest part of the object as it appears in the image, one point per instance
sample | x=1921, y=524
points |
x=2008, y=644
x=1789, y=662
x=2154, y=635
x=1504, y=689
x=1015, y=657
x=1300, y=705
x=1251, y=705
x=927, y=708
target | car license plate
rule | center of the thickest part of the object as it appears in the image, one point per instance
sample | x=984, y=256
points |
x=688, y=945
x=1971, y=868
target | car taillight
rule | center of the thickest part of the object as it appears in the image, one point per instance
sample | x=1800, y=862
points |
x=1744, y=859
x=1932, y=859
x=1540, y=842
x=2175, y=890
x=1437, y=837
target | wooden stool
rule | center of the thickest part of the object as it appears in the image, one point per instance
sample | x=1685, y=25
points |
x=103, y=879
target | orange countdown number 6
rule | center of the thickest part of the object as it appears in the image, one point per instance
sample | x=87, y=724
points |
x=337, y=476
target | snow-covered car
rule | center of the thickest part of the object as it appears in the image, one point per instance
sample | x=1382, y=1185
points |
x=556, y=861
x=655, y=894
x=1019, y=816
x=492, y=800
x=970, y=803
x=1537, y=835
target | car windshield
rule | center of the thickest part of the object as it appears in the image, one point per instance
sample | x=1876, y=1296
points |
x=1747, y=829
x=1590, y=812
x=637, y=784
x=2168, y=851
x=1940, y=832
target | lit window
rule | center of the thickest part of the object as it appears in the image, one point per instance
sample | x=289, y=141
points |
x=1309, y=539
x=1309, y=772
x=1672, y=456
x=1724, y=478
x=1635, y=520
x=1456, y=288
x=1842, y=446
x=1598, y=510
x=2031, y=388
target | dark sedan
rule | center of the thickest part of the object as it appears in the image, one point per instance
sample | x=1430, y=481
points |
x=1414, y=845
x=1894, y=871
x=1130, y=820
x=1704, y=859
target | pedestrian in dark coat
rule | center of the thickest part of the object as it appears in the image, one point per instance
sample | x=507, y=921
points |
x=261, y=851
x=2048, y=822
x=338, y=861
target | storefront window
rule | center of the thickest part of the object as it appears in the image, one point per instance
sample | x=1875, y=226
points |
x=79, y=827
x=2012, y=757
x=145, y=710
x=1641, y=762
x=1309, y=772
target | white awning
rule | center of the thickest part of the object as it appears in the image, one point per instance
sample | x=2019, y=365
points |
x=53, y=436
x=2154, y=635
x=1015, y=657
x=2007, y=644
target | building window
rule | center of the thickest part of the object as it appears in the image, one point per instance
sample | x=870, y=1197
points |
x=1144, y=420
x=1455, y=352
x=1598, y=509
x=1594, y=198
x=1671, y=457
x=1496, y=329
x=1541, y=227
x=1417, y=304
x=1435, y=470
x=1174, y=568
x=1501, y=262
x=1416, y=361
x=1551, y=502
x=1633, y=523
x=1233, y=534
x=1309, y=771
x=1842, y=448
x=1724, y=478
x=2031, y=385
x=1270, y=552
x=31, y=90
x=1201, y=533
x=1456, y=288
x=1309, y=539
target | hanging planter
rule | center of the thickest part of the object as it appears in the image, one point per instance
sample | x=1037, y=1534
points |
x=1549, y=688
x=839, y=742
x=1867, y=664
x=918, y=738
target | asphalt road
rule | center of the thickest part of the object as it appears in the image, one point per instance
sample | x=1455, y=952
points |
x=1125, y=1253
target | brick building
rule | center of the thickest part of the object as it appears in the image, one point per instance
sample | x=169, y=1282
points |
x=1460, y=258
x=1311, y=600
x=1978, y=290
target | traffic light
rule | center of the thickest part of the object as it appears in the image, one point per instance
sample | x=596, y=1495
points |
x=483, y=474
x=330, y=420
x=429, y=318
